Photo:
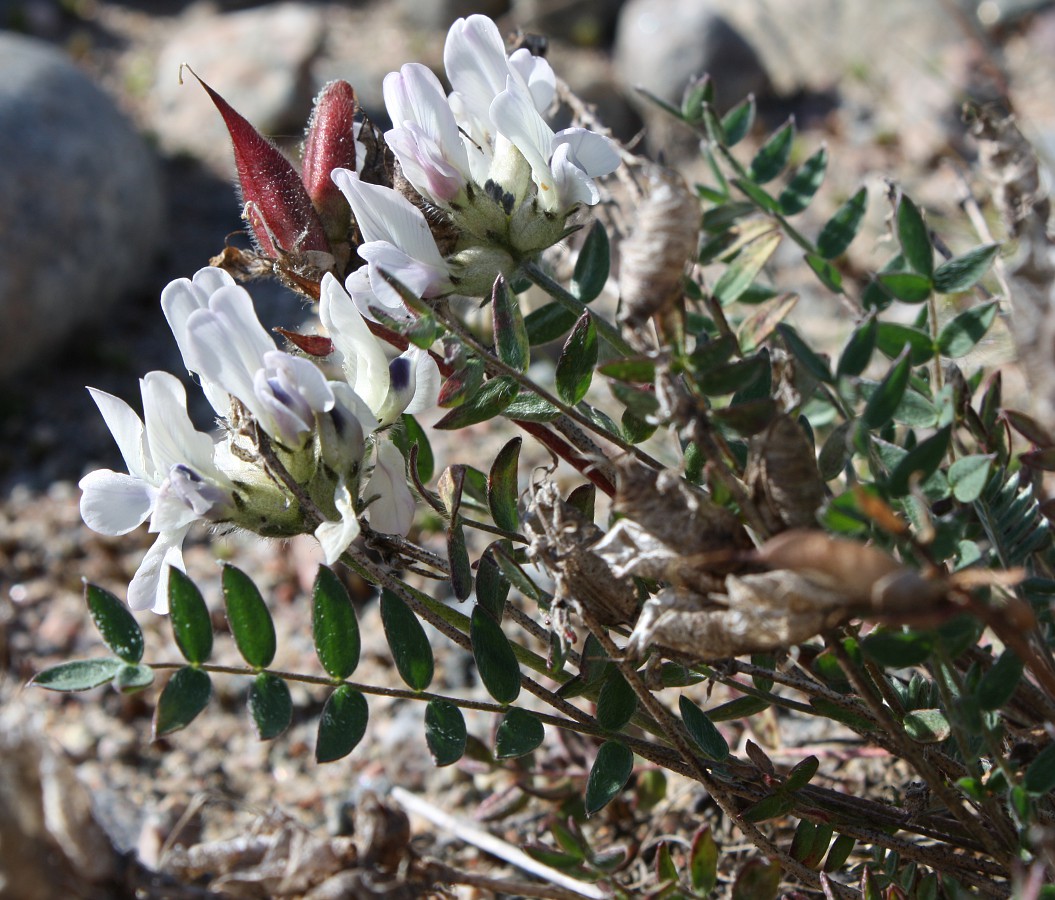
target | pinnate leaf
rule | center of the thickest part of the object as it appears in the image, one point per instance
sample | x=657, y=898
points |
x=913, y=237
x=334, y=626
x=341, y=725
x=248, y=618
x=608, y=776
x=518, y=734
x=189, y=615
x=270, y=705
x=445, y=732
x=592, y=265
x=511, y=337
x=78, y=674
x=577, y=361
x=840, y=230
x=959, y=337
x=185, y=695
x=708, y=738
x=495, y=659
x=118, y=627
x=486, y=403
x=804, y=183
x=410, y=646
x=774, y=154
x=961, y=273
x=502, y=486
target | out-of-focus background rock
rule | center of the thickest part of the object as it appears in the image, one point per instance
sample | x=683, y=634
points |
x=115, y=178
x=77, y=231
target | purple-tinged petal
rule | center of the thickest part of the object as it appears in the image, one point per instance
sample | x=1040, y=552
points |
x=172, y=438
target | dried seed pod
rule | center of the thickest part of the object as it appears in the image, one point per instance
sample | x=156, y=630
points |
x=763, y=612
x=655, y=254
x=1009, y=162
x=869, y=579
x=841, y=564
x=562, y=541
x=782, y=475
x=676, y=512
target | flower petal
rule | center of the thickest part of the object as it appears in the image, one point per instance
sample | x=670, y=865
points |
x=114, y=503
x=383, y=214
x=392, y=509
x=129, y=434
x=427, y=381
x=171, y=437
x=515, y=116
x=226, y=342
x=364, y=361
x=593, y=153
x=149, y=586
x=474, y=58
x=537, y=74
x=335, y=537
x=182, y=297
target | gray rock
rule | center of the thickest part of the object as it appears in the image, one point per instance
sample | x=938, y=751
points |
x=661, y=44
x=81, y=216
x=585, y=23
x=439, y=14
x=259, y=60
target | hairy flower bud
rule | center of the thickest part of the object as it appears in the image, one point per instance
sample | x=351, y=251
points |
x=277, y=206
x=330, y=144
x=662, y=243
x=475, y=269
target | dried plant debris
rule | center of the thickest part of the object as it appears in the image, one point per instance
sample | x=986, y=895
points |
x=280, y=858
x=782, y=476
x=675, y=512
x=666, y=232
x=1010, y=165
x=562, y=541
x=757, y=613
x=815, y=582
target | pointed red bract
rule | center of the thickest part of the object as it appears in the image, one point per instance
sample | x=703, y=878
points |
x=329, y=145
x=310, y=344
x=277, y=205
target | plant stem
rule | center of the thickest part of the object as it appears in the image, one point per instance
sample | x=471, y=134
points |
x=605, y=329
x=675, y=734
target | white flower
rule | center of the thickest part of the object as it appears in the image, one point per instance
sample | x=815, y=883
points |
x=172, y=480
x=223, y=341
x=564, y=164
x=408, y=384
x=478, y=68
x=425, y=139
x=390, y=505
x=398, y=241
x=336, y=537
x=182, y=297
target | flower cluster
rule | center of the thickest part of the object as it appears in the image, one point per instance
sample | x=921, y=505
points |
x=482, y=159
x=484, y=185
x=318, y=430
x=479, y=185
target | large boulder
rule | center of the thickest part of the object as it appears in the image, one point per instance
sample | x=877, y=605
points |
x=81, y=217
